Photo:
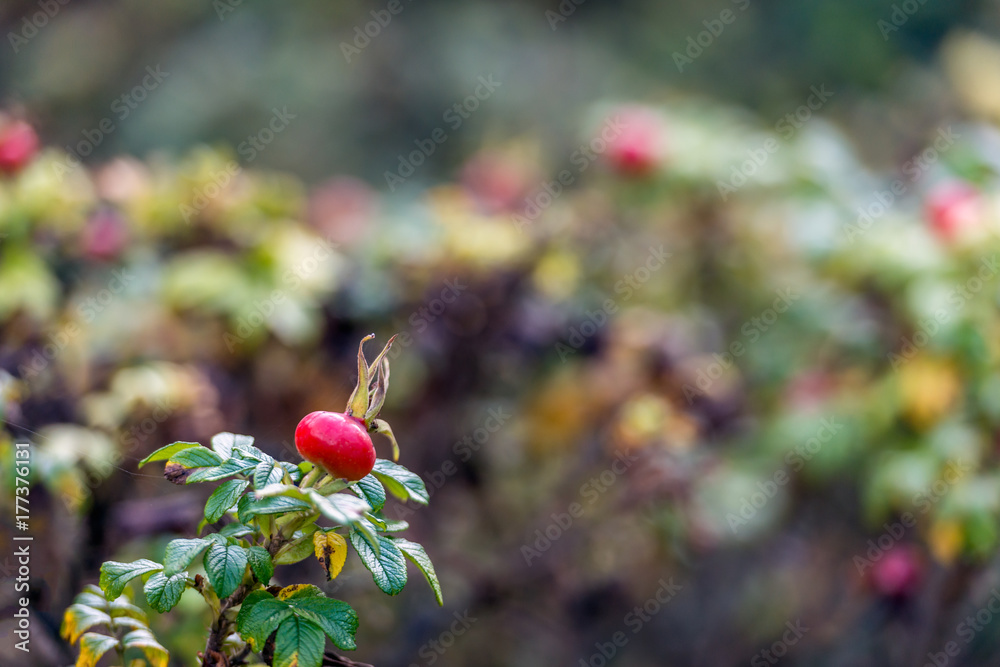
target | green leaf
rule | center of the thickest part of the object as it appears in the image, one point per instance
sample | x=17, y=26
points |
x=293, y=470
x=225, y=566
x=387, y=525
x=295, y=551
x=248, y=507
x=164, y=453
x=115, y=575
x=122, y=608
x=299, y=643
x=224, y=443
x=400, y=482
x=267, y=472
x=180, y=553
x=143, y=639
x=336, y=618
x=92, y=647
x=260, y=614
x=246, y=450
x=128, y=622
x=260, y=564
x=416, y=555
x=388, y=567
x=340, y=508
x=196, y=457
x=234, y=530
x=367, y=529
x=224, y=498
x=371, y=490
x=299, y=591
x=163, y=592
x=92, y=596
x=78, y=618
x=233, y=466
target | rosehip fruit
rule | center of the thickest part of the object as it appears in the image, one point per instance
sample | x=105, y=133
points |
x=337, y=443
x=638, y=148
x=954, y=210
x=898, y=573
x=18, y=145
x=105, y=235
x=495, y=180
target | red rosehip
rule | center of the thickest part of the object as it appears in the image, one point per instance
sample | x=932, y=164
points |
x=18, y=145
x=496, y=181
x=898, y=573
x=954, y=209
x=105, y=235
x=336, y=442
x=638, y=149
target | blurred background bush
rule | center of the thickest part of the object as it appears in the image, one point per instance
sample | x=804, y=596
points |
x=698, y=308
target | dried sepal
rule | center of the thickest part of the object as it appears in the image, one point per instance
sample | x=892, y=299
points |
x=358, y=403
x=382, y=426
x=379, y=392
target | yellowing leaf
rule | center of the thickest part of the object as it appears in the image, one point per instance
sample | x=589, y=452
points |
x=945, y=540
x=92, y=647
x=299, y=591
x=79, y=618
x=331, y=552
x=929, y=389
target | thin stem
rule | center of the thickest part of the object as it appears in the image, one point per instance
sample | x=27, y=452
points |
x=222, y=627
x=310, y=477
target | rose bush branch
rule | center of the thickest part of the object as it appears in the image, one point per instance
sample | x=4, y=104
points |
x=266, y=513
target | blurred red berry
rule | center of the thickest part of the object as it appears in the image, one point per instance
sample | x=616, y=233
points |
x=105, y=235
x=342, y=209
x=898, y=573
x=638, y=147
x=954, y=209
x=18, y=145
x=496, y=182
